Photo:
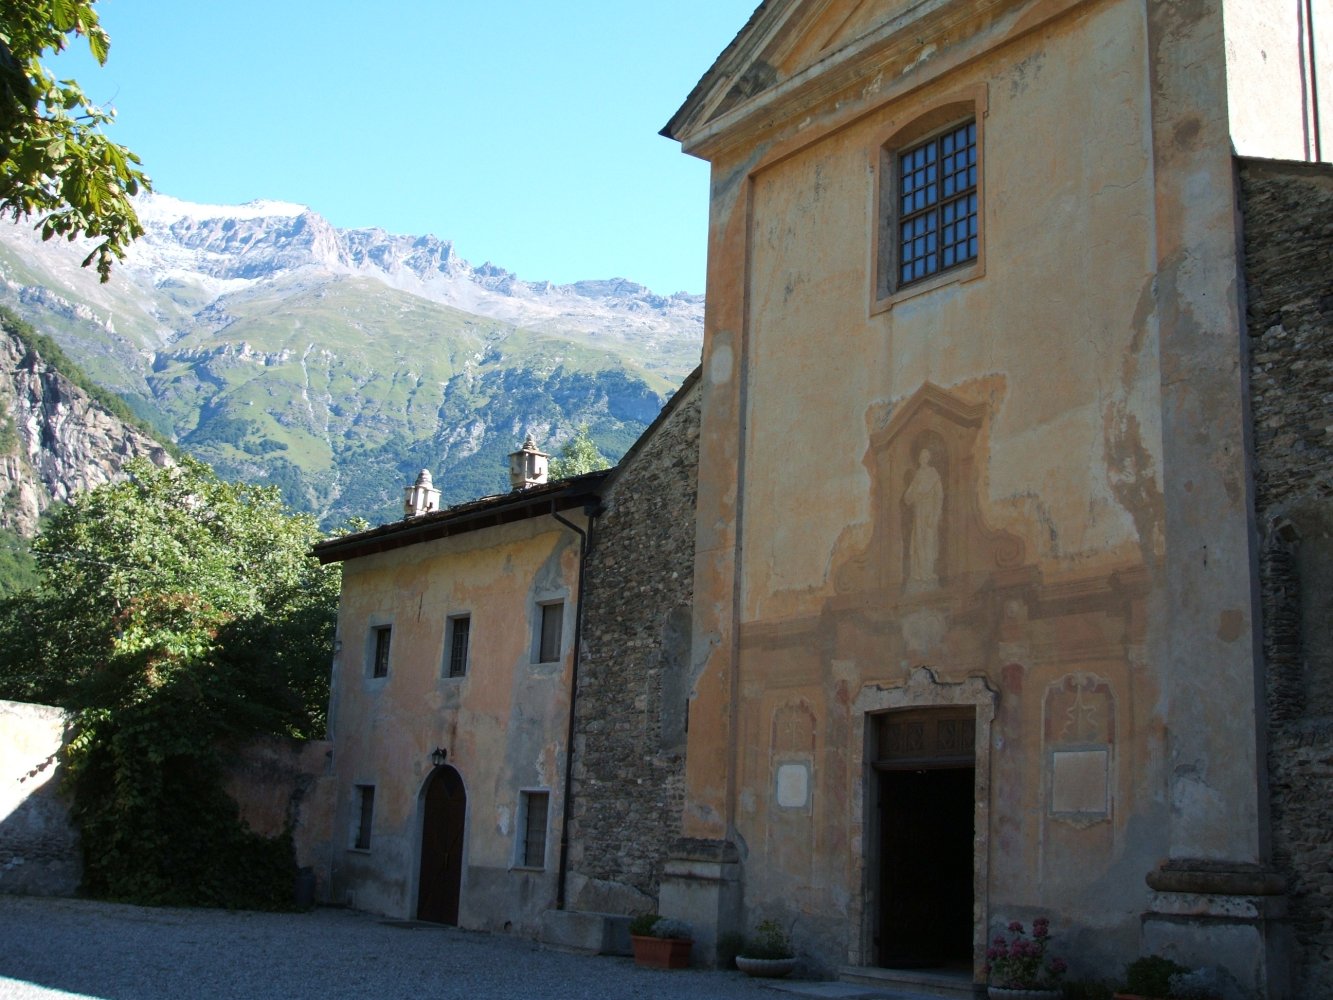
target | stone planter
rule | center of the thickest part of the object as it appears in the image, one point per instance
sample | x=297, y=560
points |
x=661, y=953
x=765, y=968
x=1004, y=993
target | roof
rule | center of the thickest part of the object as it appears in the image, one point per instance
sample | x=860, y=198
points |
x=503, y=508
x=487, y=512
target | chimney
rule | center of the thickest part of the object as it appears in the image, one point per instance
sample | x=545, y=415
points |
x=421, y=497
x=527, y=466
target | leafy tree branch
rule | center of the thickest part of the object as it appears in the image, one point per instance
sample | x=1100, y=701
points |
x=55, y=162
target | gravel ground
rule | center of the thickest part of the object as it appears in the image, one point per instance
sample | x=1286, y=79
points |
x=53, y=948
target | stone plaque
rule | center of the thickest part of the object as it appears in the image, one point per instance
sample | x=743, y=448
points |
x=1080, y=782
x=793, y=786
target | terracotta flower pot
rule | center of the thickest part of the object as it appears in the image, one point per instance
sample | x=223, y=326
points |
x=767, y=968
x=661, y=953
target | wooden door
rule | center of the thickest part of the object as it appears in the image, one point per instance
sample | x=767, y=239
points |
x=443, y=822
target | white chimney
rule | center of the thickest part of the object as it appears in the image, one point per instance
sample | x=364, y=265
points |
x=421, y=497
x=527, y=466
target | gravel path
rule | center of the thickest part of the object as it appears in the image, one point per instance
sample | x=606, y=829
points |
x=52, y=948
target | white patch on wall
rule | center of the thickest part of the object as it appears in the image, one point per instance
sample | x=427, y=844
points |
x=1080, y=782
x=502, y=817
x=793, y=786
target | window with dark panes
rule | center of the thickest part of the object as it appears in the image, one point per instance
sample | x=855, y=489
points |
x=380, y=663
x=535, y=807
x=937, y=204
x=460, y=630
x=548, y=646
x=367, y=814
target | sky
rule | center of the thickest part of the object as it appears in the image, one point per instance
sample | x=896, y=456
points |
x=526, y=131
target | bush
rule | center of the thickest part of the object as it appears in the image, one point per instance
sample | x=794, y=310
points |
x=642, y=925
x=1150, y=976
x=769, y=942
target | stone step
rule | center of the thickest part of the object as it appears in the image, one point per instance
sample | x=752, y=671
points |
x=956, y=985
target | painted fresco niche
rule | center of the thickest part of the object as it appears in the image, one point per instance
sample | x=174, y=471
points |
x=931, y=549
x=1079, y=773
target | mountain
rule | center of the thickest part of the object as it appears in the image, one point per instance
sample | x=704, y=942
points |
x=336, y=363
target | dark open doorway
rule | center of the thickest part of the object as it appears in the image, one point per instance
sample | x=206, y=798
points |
x=442, y=825
x=925, y=797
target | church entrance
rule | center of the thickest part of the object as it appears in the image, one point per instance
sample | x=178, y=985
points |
x=923, y=790
x=444, y=813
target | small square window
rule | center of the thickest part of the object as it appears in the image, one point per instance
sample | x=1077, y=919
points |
x=552, y=625
x=533, y=808
x=365, y=814
x=458, y=632
x=379, y=665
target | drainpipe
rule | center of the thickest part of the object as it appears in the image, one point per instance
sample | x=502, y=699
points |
x=591, y=511
x=1314, y=77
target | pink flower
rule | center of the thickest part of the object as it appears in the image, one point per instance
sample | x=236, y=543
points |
x=1016, y=927
x=1058, y=966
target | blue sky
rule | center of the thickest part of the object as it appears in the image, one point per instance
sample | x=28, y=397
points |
x=525, y=131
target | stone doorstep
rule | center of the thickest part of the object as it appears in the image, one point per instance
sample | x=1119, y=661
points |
x=912, y=983
x=586, y=933
x=842, y=991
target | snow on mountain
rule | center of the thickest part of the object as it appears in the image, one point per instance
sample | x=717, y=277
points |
x=223, y=248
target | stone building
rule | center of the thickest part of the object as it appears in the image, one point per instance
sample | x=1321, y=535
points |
x=449, y=711
x=975, y=635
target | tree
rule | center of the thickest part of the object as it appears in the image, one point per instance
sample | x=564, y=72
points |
x=578, y=455
x=178, y=616
x=55, y=162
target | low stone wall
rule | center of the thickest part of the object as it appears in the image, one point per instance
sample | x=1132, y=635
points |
x=1288, y=212
x=39, y=848
x=281, y=784
x=277, y=783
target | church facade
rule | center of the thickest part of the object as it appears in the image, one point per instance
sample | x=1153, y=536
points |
x=975, y=631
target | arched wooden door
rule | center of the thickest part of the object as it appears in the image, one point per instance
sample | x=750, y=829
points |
x=445, y=813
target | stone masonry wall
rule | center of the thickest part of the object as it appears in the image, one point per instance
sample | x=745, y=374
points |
x=633, y=670
x=1288, y=213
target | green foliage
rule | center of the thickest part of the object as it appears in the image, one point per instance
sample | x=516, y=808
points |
x=55, y=162
x=43, y=348
x=177, y=616
x=579, y=455
x=18, y=567
x=1150, y=976
x=643, y=923
x=769, y=941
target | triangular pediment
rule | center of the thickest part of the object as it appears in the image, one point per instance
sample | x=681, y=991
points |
x=783, y=39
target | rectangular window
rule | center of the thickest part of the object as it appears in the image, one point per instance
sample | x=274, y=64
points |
x=366, y=795
x=456, y=641
x=548, y=643
x=380, y=663
x=534, y=807
x=937, y=207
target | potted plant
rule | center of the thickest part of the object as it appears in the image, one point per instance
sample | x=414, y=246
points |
x=660, y=942
x=1154, y=977
x=767, y=953
x=1017, y=967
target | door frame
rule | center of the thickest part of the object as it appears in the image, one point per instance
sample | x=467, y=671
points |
x=419, y=834
x=921, y=690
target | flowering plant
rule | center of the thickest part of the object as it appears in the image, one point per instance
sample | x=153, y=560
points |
x=1020, y=963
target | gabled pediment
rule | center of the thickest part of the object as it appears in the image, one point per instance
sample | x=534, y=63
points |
x=782, y=40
